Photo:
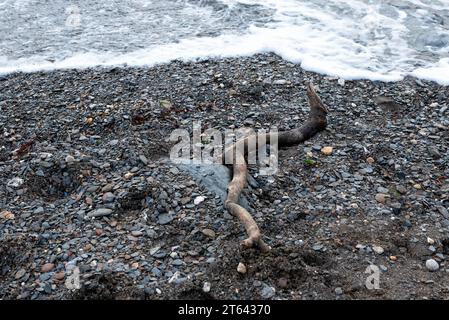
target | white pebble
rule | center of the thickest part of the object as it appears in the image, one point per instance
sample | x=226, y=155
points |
x=206, y=287
x=241, y=268
x=378, y=249
x=15, y=182
x=198, y=200
x=69, y=159
x=432, y=265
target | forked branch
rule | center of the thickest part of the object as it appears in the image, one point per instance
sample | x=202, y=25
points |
x=315, y=123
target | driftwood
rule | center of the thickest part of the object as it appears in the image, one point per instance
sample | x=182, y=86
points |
x=315, y=123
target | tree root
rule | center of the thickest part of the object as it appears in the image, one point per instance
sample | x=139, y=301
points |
x=315, y=123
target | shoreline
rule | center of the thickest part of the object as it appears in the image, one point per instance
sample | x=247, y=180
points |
x=89, y=185
x=124, y=66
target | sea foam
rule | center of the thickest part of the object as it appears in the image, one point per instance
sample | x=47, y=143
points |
x=356, y=39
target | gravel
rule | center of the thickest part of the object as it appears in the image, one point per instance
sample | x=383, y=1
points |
x=86, y=184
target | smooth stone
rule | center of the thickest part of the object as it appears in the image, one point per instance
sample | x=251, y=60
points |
x=280, y=82
x=100, y=212
x=164, y=218
x=282, y=283
x=241, y=268
x=143, y=159
x=292, y=216
x=46, y=164
x=47, y=267
x=327, y=151
x=432, y=265
x=59, y=275
x=107, y=188
x=206, y=287
x=69, y=159
x=407, y=223
x=382, y=190
x=19, y=274
x=381, y=197
x=198, y=200
x=156, y=272
x=92, y=189
x=108, y=197
x=367, y=170
x=39, y=210
x=267, y=292
x=8, y=215
x=15, y=182
x=209, y=233
x=45, y=277
x=401, y=189
x=378, y=249
x=177, y=262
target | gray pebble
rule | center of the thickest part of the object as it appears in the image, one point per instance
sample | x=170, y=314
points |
x=39, y=210
x=100, y=212
x=164, y=218
x=267, y=292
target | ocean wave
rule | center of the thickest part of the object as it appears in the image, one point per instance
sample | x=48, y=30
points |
x=356, y=39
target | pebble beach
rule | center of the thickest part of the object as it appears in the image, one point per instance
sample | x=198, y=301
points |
x=88, y=191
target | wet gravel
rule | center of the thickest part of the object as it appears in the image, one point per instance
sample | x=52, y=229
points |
x=88, y=193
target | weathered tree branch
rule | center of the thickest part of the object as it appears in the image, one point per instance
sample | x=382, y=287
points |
x=315, y=123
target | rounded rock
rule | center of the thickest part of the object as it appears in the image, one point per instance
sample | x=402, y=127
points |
x=7, y=215
x=241, y=268
x=47, y=267
x=100, y=212
x=108, y=197
x=209, y=233
x=381, y=197
x=378, y=249
x=59, y=276
x=198, y=200
x=206, y=287
x=69, y=159
x=432, y=265
x=327, y=151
